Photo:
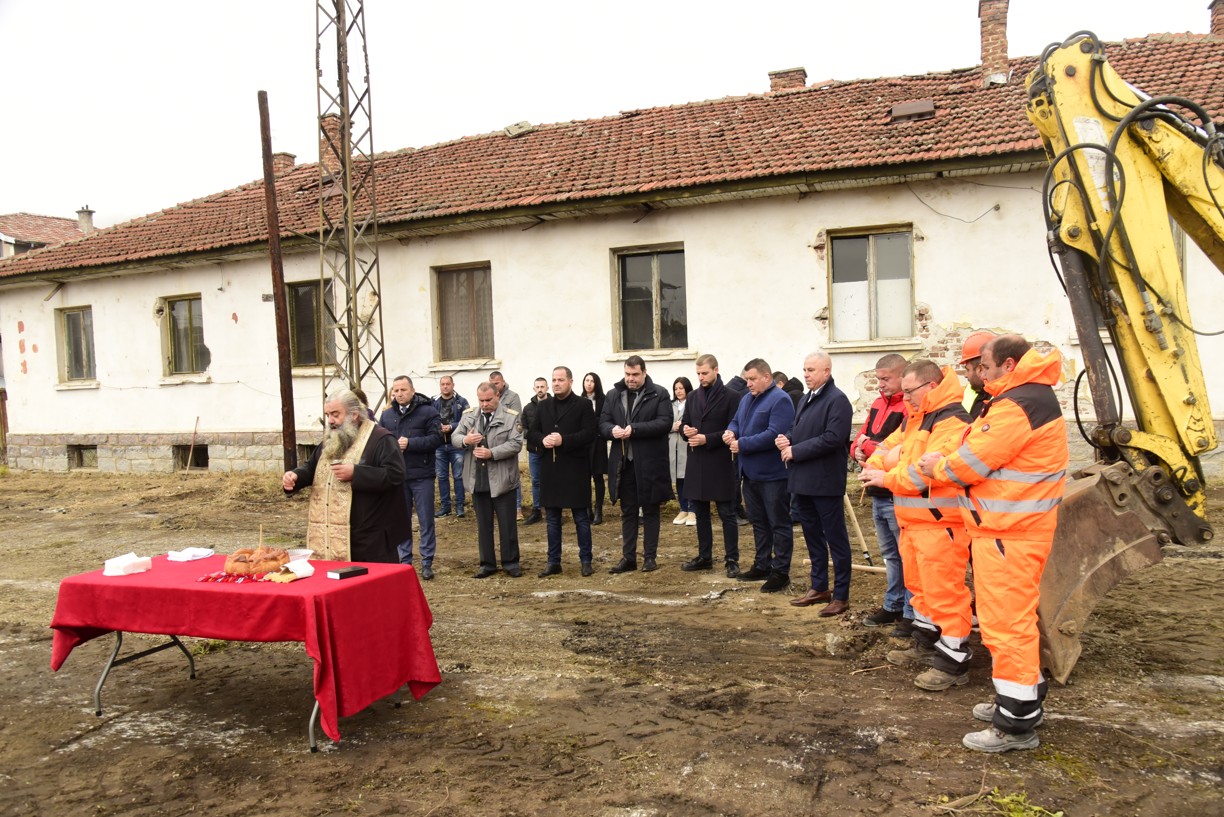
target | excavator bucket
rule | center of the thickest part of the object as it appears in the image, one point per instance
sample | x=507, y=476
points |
x=1112, y=522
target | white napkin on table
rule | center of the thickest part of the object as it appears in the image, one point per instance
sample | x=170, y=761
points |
x=188, y=554
x=302, y=568
x=126, y=564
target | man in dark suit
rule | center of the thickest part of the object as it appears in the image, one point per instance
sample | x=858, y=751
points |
x=711, y=475
x=563, y=429
x=816, y=453
x=637, y=418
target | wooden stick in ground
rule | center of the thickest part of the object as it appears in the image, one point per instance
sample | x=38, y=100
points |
x=191, y=449
x=858, y=531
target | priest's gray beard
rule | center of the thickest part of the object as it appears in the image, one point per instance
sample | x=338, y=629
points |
x=341, y=438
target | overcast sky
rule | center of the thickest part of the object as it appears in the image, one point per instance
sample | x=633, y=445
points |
x=134, y=106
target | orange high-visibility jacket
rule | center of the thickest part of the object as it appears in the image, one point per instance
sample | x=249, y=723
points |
x=938, y=426
x=1012, y=466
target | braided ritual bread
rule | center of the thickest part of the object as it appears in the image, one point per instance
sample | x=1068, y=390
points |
x=246, y=562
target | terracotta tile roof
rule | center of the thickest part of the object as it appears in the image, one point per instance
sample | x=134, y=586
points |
x=34, y=229
x=815, y=133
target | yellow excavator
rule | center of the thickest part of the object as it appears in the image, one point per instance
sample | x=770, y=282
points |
x=1123, y=166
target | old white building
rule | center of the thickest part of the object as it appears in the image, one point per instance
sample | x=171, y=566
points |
x=864, y=217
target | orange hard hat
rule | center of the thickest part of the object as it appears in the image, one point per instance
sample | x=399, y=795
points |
x=974, y=343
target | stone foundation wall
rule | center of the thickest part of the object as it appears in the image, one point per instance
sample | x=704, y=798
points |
x=259, y=451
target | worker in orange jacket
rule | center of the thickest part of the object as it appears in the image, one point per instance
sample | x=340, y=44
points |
x=1012, y=468
x=934, y=544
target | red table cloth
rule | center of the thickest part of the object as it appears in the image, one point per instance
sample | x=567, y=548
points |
x=368, y=635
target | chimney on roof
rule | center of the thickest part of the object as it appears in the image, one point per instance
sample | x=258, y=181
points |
x=283, y=163
x=993, y=14
x=85, y=220
x=331, y=145
x=791, y=78
x=1217, y=18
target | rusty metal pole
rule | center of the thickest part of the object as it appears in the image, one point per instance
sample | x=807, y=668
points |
x=281, y=309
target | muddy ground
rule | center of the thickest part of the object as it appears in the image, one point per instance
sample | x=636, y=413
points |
x=666, y=693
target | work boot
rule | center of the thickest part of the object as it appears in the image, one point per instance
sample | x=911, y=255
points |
x=993, y=740
x=936, y=680
x=985, y=712
x=881, y=616
x=903, y=629
x=916, y=654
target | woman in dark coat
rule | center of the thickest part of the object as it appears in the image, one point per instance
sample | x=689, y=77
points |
x=592, y=389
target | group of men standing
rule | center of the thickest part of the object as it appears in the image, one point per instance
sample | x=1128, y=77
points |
x=981, y=489
x=950, y=486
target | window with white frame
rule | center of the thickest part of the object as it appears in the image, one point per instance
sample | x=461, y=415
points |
x=652, y=298
x=464, y=303
x=184, y=322
x=76, y=344
x=312, y=330
x=871, y=286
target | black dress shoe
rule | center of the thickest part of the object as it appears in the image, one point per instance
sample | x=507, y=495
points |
x=754, y=574
x=697, y=563
x=733, y=570
x=484, y=573
x=533, y=517
x=776, y=583
x=514, y=572
x=586, y=569
x=597, y=517
x=551, y=570
x=624, y=566
x=649, y=565
x=426, y=572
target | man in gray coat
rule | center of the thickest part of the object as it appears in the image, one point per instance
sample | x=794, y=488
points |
x=491, y=437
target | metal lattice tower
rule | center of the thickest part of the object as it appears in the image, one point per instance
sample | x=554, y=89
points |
x=351, y=308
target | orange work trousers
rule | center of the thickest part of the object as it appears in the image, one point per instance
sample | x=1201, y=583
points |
x=1007, y=580
x=937, y=558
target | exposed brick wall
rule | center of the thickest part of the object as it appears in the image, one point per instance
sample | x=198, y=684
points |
x=1217, y=17
x=993, y=16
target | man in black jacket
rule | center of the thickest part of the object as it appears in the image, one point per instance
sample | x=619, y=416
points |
x=563, y=428
x=711, y=475
x=417, y=427
x=534, y=451
x=816, y=451
x=637, y=418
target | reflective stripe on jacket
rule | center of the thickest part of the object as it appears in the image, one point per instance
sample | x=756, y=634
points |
x=1012, y=465
x=938, y=427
